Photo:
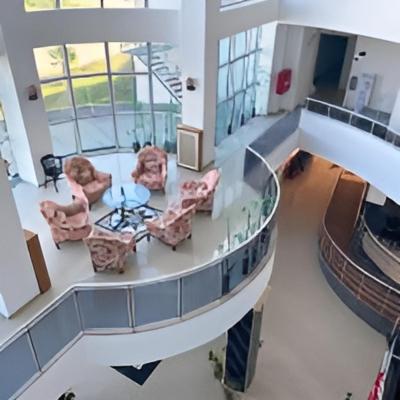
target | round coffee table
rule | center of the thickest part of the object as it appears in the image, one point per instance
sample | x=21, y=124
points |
x=127, y=196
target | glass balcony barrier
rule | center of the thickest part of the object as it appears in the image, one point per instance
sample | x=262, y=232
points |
x=359, y=121
x=117, y=309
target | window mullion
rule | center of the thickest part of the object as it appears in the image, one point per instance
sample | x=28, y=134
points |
x=112, y=98
x=71, y=90
x=151, y=93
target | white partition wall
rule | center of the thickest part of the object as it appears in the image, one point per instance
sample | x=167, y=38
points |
x=18, y=283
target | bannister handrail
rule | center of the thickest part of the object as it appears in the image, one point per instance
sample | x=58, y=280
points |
x=132, y=284
x=377, y=242
x=352, y=113
x=346, y=257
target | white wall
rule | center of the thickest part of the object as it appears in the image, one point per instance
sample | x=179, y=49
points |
x=22, y=32
x=144, y=347
x=383, y=59
x=359, y=152
x=377, y=19
x=18, y=283
x=296, y=48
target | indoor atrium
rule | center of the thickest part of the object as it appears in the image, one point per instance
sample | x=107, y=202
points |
x=198, y=200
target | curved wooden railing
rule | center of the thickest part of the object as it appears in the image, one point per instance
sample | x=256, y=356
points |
x=379, y=296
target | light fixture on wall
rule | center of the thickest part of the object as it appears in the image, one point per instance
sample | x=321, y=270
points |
x=191, y=84
x=32, y=92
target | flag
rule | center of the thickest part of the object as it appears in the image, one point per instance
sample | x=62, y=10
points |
x=378, y=388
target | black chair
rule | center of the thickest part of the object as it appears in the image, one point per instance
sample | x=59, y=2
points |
x=52, y=168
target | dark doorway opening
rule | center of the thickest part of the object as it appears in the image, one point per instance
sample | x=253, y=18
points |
x=330, y=73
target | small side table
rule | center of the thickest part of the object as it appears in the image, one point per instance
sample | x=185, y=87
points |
x=38, y=262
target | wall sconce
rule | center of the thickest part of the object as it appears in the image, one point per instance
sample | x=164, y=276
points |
x=191, y=84
x=32, y=92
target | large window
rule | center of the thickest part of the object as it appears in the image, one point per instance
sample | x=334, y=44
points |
x=107, y=96
x=245, y=61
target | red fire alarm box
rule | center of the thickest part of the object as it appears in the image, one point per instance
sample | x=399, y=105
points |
x=283, y=81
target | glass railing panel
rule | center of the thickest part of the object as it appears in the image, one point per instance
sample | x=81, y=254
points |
x=156, y=302
x=235, y=268
x=396, y=141
x=104, y=308
x=201, y=288
x=380, y=131
x=361, y=123
x=318, y=107
x=340, y=115
x=17, y=366
x=55, y=330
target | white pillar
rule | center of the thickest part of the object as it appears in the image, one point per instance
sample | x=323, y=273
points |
x=27, y=122
x=199, y=55
x=18, y=284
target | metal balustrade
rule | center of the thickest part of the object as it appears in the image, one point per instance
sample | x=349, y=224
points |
x=379, y=296
x=118, y=309
x=359, y=121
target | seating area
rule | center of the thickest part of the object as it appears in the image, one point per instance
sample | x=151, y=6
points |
x=170, y=220
x=109, y=247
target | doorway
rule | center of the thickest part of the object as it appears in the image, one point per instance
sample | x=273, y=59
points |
x=332, y=67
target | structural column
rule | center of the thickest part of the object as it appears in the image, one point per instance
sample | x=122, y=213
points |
x=18, y=283
x=242, y=349
x=26, y=120
x=199, y=55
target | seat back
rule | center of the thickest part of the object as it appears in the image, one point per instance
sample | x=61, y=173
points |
x=79, y=170
x=52, y=166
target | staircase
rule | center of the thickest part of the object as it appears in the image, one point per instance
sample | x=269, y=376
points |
x=167, y=72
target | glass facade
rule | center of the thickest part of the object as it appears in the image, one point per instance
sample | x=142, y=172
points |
x=245, y=61
x=106, y=96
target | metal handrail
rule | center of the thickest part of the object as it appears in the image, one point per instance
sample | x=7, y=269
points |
x=378, y=243
x=172, y=276
x=351, y=113
x=354, y=265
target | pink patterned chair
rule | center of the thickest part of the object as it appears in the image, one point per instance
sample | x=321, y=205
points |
x=81, y=173
x=70, y=222
x=109, y=250
x=151, y=168
x=174, y=226
x=201, y=192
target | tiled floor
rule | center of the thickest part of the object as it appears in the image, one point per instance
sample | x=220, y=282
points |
x=153, y=260
x=314, y=347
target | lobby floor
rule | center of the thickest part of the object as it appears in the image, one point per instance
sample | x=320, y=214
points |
x=314, y=346
x=154, y=260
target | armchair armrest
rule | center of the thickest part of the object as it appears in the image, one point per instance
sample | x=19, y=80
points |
x=103, y=177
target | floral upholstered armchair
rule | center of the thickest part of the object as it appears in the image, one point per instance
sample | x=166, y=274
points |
x=151, y=168
x=174, y=226
x=109, y=250
x=200, y=192
x=70, y=222
x=81, y=174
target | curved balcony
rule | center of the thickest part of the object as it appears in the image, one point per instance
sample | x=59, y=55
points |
x=152, y=305
x=368, y=293
x=354, y=142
